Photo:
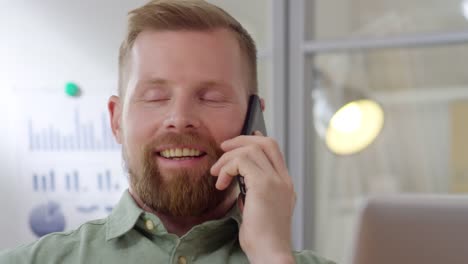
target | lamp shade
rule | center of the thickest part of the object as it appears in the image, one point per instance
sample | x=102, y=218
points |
x=346, y=119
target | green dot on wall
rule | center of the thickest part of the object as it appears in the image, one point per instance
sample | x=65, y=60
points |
x=72, y=89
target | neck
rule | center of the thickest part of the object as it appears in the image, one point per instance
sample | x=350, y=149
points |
x=180, y=225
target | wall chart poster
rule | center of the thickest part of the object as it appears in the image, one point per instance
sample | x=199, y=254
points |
x=68, y=165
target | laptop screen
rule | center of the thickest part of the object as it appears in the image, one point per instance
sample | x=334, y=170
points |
x=404, y=229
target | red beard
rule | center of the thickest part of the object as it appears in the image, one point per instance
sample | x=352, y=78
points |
x=178, y=192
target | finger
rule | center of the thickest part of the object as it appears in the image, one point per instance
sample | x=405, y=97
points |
x=268, y=145
x=226, y=143
x=225, y=158
x=225, y=177
x=236, y=142
x=238, y=166
x=252, y=152
x=274, y=154
x=258, y=133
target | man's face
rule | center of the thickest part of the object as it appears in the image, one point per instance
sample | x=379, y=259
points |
x=187, y=93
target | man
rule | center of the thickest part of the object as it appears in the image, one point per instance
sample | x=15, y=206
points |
x=186, y=70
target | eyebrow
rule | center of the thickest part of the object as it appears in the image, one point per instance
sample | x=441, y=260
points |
x=210, y=84
x=155, y=81
x=203, y=84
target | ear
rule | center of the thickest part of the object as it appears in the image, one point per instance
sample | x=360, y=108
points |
x=115, y=111
x=262, y=104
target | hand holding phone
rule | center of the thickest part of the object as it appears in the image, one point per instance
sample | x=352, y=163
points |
x=265, y=232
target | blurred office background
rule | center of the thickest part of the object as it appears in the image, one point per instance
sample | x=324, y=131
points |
x=408, y=56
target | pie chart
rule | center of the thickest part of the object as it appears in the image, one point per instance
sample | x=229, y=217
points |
x=47, y=218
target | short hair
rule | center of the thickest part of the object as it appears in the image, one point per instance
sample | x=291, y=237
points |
x=197, y=15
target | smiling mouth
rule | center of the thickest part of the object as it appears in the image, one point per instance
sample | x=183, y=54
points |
x=181, y=153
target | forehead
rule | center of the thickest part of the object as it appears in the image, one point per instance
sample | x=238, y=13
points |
x=189, y=56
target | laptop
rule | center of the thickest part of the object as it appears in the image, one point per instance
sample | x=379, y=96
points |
x=412, y=229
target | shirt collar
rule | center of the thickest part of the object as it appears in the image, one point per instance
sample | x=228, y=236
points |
x=126, y=214
x=124, y=217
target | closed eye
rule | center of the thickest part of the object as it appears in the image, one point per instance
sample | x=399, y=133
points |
x=157, y=99
x=155, y=94
x=214, y=102
x=211, y=99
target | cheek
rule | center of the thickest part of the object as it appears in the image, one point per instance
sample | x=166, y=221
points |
x=225, y=126
x=139, y=128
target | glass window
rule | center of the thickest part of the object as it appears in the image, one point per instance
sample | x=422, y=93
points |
x=330, y=19
x=422, y=147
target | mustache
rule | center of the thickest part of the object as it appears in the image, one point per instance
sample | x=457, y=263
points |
x=189, y=138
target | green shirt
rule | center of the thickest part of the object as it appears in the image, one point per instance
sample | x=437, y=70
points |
x=131, y=235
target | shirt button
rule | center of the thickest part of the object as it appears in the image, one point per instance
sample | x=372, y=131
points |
x=182, y=260
x=149, y=224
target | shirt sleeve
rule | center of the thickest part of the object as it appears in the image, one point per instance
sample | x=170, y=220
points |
x=18, y=255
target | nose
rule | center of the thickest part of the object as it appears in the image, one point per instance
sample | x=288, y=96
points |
x=182, y=116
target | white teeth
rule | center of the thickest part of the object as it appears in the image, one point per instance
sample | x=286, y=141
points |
x=186, y=152
x=178, y=153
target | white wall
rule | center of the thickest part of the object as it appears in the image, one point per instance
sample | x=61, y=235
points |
x=43, y=45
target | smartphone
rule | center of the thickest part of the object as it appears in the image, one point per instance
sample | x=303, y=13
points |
x=253, y=121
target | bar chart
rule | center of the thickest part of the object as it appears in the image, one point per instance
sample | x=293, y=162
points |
x=85, y=136
x=105, y=182
x=44, y=183
x=74, y=181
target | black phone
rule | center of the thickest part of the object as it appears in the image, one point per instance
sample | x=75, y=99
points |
x=253, y=122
